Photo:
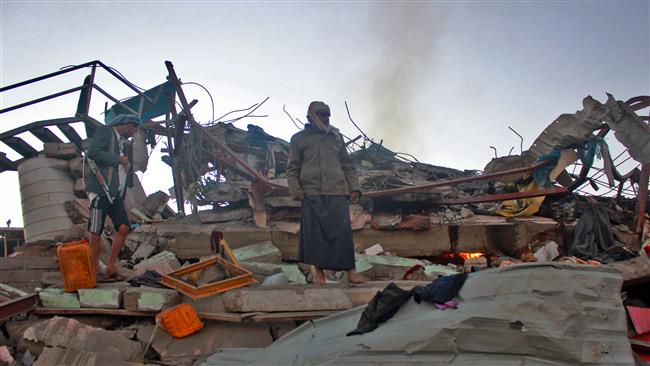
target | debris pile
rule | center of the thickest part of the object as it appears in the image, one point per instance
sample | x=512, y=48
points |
x=512, y=264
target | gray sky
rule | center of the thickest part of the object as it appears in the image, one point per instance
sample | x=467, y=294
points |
x=438, y=80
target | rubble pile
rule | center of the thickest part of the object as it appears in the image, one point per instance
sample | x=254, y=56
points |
x=509, y=265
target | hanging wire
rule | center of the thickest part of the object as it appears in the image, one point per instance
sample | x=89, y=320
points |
x=254, y=108
x=355, y=125
x=291, y=118
x=206, y=90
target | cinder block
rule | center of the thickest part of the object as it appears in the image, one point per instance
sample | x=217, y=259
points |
x=104, y=296
x=51, y=263
x=57, y=298
x=52, y=278
x=60, y=150
x=12, y=263
x=150, y=298
x=34, y=275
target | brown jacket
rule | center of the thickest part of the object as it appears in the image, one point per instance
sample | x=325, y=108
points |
x=319, y=164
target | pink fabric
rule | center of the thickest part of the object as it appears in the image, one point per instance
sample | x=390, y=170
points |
x=451, y=304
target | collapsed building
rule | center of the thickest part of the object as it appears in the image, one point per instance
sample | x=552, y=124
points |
x=524, y=230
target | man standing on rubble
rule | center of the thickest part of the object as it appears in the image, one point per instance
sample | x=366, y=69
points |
x=106, y=186
x=321, y=175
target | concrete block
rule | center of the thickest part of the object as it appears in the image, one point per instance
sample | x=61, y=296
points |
x=150, y=298
x=269, y=299
x=24, y=275
x=57, y=298
x=262, y=269
x=260, y=252
x=52, y=278
x=10, y=263
x=61, y=150
x=389, y=267
x=103, y=296
x=374, y=250
x=163, y=262
x=147, y=246
x=155, y=203
x=80, y=188
x=76, y=168
x=291, y=271
x=225, y=215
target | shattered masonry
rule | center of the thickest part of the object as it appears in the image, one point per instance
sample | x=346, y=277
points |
x=545, y=257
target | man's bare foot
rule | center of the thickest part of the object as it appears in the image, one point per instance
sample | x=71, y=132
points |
x=110, y=270
x=354, y=278
x=319, y=276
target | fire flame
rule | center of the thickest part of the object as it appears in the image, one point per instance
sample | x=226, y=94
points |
x=471, y=255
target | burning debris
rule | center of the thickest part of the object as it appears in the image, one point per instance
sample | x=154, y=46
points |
x=234, y=260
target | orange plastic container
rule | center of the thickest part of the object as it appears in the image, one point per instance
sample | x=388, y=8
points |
x=180, y=320
x=76, y=265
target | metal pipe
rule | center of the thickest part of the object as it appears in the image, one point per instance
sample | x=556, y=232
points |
x=51, y=96
x=114, y=99
x=123, y=80
x=30, y=81
x=643, y=196
x=453, y=182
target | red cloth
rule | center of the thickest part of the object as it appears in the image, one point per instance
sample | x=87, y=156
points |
x=640, y=318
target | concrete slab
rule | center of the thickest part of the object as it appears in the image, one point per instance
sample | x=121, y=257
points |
x=213, y=336
x=65, y=356
x=290, y=270
x=259, y=252
x=71, y=334
x=390, y=267
x=163, y=262
x=270, y=299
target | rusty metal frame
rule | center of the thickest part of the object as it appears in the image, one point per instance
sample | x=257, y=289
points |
x=241, y=278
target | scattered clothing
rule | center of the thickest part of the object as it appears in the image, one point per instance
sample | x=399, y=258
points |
x=441, y=290
x=149, y=278
x=451, y=304
x=381, y=308
x=592, y=236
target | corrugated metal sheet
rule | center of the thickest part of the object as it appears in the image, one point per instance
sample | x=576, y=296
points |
x=538, y=314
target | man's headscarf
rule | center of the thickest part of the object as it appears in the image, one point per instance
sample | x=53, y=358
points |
x=123, y=119
x=312, y=113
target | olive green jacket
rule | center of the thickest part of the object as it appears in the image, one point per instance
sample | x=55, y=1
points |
x=104, y=150
x=319, y=164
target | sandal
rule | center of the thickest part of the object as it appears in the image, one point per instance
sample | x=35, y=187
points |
x=103, y=278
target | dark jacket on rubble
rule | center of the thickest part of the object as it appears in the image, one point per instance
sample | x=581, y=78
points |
x=319, y=164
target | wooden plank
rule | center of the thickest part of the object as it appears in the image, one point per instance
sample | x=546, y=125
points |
x=116, y=312
x=224, y=317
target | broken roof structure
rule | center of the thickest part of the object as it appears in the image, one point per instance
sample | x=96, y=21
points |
x=530, y=314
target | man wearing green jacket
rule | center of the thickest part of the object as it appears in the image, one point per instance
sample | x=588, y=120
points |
x=110, y=154
x=321, y=175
